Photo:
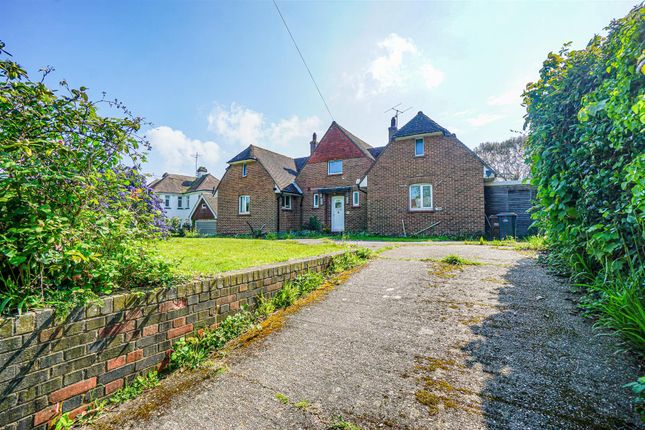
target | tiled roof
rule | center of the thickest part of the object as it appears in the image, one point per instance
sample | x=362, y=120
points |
x=207, y=182
x=281, y=168
x=420, y=124
x=362, y=145
x=376, y=151
x=173, y=183
x=300, y=162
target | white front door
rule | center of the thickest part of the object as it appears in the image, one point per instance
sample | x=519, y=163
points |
x=337, y=213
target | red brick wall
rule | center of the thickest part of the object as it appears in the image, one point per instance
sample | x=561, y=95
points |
x=290, y=218
x=314, y=175
x=259, y=185
x=458, y=188
x=335, y=145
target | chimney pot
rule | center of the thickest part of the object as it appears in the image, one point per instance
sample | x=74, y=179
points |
x=392, y=129
x=313, y=143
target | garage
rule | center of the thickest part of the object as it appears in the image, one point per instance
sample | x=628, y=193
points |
x=206, y=227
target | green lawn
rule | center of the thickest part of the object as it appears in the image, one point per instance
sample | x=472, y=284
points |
x=213, y=255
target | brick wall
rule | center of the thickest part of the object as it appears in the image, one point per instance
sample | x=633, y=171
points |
x=259, y=185
x=48, y=366
x=314, y=175
x=458, y=188
x=202, y=212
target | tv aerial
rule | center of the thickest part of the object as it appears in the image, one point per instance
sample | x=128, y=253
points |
x=398, y=111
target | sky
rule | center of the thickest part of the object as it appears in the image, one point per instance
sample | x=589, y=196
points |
x=212, y=77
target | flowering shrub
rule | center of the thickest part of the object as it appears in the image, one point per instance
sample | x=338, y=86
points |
x=74, y=208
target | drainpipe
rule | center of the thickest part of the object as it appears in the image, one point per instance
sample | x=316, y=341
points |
x=277, y=228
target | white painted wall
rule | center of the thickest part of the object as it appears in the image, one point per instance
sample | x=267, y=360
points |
x=182, y=213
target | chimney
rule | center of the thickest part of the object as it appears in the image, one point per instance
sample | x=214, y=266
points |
x=313, y=144
x=201, y=172
x=392, y=129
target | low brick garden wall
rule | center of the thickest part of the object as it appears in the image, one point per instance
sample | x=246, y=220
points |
x=48, y=367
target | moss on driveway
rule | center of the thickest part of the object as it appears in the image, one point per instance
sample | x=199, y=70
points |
x=214, y=255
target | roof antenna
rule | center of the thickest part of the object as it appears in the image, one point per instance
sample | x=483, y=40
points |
x=196, y=157
x=397, y=111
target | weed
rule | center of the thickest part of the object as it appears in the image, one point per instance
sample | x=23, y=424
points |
x=638, y=389
x=341, y=424
x=302, y=404
x=456, y=260
x=282, y=398
x=265, y=306
x=136, y=387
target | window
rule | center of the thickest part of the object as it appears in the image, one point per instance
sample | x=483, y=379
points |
x=420, y=197
x=179, y=201
x=245, y=205
x=167, y=201
x=418, y=148
x=286, y=202
x=187, y=202
x=335, y=167
x=316, y=200
x=243, y=170
x=356, y=198
x=203, y=205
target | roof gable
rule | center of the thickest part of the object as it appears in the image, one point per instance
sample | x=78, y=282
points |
x=339, y=144
x=420, y=124
x=282, y=169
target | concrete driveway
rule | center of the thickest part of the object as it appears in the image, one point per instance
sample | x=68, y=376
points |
x=407, y=343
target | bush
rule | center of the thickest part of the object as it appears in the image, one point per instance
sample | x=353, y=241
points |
x=74, y=209
x=314, y=224
x=585, y=117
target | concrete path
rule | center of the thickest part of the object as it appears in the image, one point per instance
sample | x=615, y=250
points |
x=407, y=343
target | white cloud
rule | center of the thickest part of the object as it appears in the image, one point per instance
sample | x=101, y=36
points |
x=512, y=95
x=400, y=64
x=483, y=119
x=237, y=124
x=242, y=126
x=176, y=150
x=432, y=76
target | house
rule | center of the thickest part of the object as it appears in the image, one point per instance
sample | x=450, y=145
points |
x=329, y=180
x=426, y=181
x=258, y=192
x=179, y=194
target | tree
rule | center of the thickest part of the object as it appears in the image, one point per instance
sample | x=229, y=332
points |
x=74, y=209
x=506, y=157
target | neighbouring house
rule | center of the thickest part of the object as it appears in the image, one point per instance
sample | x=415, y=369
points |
x=424, y=181
x=258, y=192
x=180, y=194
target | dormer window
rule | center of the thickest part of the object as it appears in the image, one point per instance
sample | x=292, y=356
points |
x=335, y=167
x=419, y=150
x=244, y=170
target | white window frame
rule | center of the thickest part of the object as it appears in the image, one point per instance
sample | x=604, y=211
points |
x=422, y=208
x=286, y=198
x=167, y=201
x=423, y=150
x=316, y=200
x=356, y=199
x=244, y=171
x=180, y=201
x=248, y=205
x=187, y=202
x=329, y=164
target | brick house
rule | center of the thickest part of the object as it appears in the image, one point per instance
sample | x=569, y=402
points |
x=329, y=180
x=426, y=181
x=258, y=192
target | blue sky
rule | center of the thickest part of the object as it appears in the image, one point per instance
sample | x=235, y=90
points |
x=213, y=77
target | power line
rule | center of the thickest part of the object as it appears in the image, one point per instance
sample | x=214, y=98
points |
x=303, y=60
